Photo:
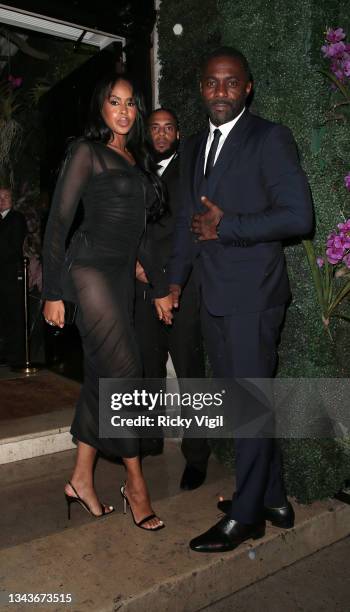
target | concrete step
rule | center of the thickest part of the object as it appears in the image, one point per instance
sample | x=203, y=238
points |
x=37, y=425
x=109, y=564
x=39, y=434
x=37, y=484
x=34, y=436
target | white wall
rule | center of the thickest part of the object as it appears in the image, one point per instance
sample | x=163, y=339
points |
x=155, y=62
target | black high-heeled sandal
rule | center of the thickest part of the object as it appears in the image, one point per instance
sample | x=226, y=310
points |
x=70, y=499
x=140, y=524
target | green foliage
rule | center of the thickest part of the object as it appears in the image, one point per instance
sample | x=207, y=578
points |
x=11, y=132
x=315, y=468
x=180, y=56
x=64, y=59
x=9, y=102
x=41, y=87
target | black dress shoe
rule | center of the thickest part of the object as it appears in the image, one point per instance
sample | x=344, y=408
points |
x=282, y=517
x=225, y=505
x=226, y=535
x=192, y=478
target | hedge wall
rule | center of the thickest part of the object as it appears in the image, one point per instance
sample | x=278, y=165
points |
x=282, y=42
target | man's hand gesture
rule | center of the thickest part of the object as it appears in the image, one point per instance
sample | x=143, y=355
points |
x=204, y=224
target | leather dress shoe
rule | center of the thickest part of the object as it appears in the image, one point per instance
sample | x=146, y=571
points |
x=192, y=478
x=226, y=535
x=282, y=517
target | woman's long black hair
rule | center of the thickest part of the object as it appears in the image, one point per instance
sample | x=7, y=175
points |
x=97, y=130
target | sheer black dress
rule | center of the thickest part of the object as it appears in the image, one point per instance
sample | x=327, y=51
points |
x=98, y=271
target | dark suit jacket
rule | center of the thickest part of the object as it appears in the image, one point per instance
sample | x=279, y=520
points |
x=12, y=234
x=164, y=229
x=258, y=182
x=162, y=232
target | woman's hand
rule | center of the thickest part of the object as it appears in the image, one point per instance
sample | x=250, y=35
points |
x=175, y=292
x=164, y=307
x=53, y=312
x=140, y=273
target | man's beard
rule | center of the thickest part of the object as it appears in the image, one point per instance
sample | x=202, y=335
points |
x=158, y=156
x=232, y=110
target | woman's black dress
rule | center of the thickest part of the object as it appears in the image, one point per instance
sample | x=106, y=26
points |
x=98, y=271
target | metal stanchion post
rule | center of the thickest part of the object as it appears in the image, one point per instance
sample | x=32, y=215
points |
x=27, y=369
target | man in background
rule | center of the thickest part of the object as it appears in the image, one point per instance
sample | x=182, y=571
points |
x=12, y=234
x=182, y=340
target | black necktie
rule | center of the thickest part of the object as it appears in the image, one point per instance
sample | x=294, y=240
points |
x=212, y=152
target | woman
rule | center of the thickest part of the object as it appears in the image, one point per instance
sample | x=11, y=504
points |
x=109, y=170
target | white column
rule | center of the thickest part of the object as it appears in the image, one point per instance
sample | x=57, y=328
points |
x=155, y=60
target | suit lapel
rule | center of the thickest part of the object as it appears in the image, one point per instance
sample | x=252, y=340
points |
x=229, y=150
x=8, y=216
x=195, y=157
x=199, y=165
x=170, y=169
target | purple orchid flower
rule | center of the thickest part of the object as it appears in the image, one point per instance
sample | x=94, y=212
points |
x=338, y=243
x=335, y=35
x=335, y=50
x=15, y=82
x=334, y=256
x=335, y=249
x=346, y=68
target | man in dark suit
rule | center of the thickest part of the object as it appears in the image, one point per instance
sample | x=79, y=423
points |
x=243, y=192
x=183, y=339
x=12, y=234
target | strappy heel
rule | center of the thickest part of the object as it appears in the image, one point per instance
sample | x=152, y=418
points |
x=70, y=499
x=140, y=524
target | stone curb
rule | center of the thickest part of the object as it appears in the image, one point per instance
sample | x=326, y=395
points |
x=224, y=575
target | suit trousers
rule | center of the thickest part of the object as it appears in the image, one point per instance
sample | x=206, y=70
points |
x=183, y=341
x=245, y=346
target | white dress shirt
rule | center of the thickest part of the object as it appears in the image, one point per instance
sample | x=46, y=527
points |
x=5, y=212
x=164, y=163
x=225, y=129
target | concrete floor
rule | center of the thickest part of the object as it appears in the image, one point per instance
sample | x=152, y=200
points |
x=319, y=583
